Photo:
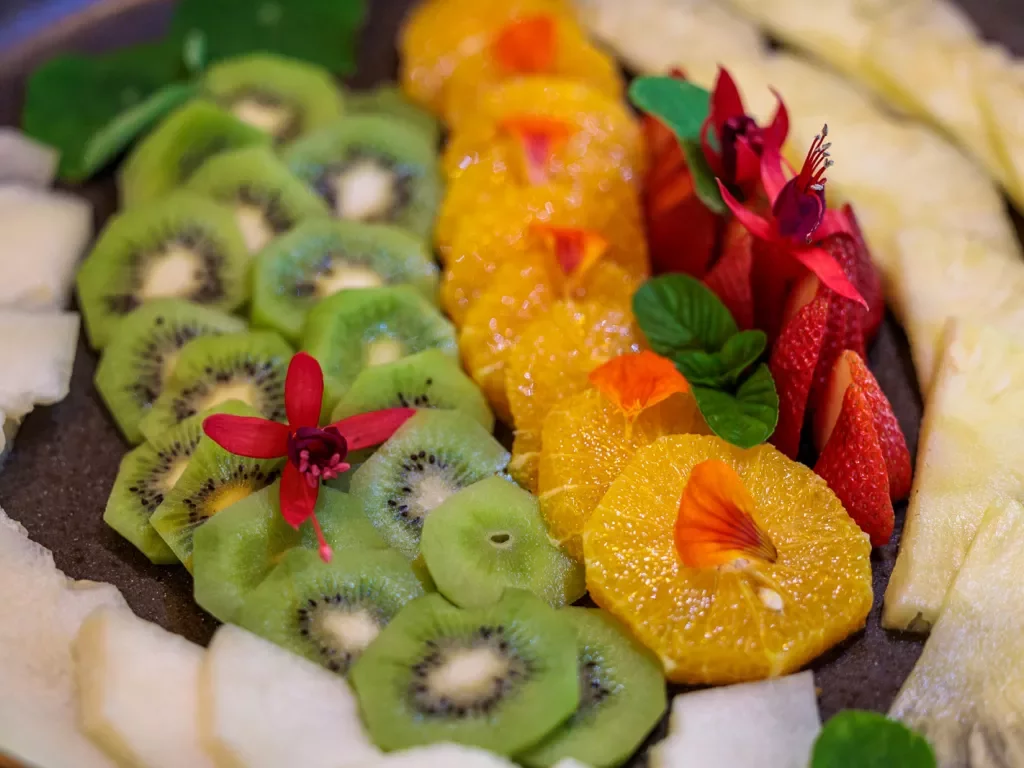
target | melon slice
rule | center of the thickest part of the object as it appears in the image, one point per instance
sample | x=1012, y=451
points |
x=37, y=353
x=25, y=161
x=439, y=756
x=264, y=707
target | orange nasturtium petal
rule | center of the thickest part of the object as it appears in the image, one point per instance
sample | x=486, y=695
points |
x=574, y=250
x=526, y=46
x=634, y=383
x=715, y=525
x=539, y=139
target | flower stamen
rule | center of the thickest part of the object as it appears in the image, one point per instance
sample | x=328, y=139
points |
x=818, y=160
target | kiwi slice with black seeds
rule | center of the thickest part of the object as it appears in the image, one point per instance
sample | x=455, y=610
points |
x=354, y=330
x=330, y=612
x=212, y=481
x=186, y=139
x=372, y=168
x=320, y=258
x=239, y=547
x=490, y=537
x=266, y=199
x=180, y=247
x=143, y=352
x=430, y=458
x=250, y=367
x=622, y=697
x=388, y=100
x=283, y=97
x=500, y=677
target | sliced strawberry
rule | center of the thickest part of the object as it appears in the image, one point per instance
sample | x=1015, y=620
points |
x=793, y=362
x=853, y=465
x=729, y=278
x=773, y=277
x=866, y=278
x=850, y=369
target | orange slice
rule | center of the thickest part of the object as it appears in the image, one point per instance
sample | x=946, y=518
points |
x=777, y=572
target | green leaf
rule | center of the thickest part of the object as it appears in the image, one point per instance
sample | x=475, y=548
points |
x=722, y=369
x=745, y=418
x=678, y=312
x=853, y=739
x=323, y=32
x=704, y=180
x=680, y=105
x=194, y=52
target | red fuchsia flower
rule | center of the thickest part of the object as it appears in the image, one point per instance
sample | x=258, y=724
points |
x=314, y=453
x=797, y=212
x=741, y=141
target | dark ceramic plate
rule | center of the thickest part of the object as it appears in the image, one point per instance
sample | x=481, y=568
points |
x=65, y=457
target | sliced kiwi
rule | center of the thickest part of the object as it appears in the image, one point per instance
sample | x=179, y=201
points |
x=266, y=199
x=330, y=612
x=430, y=458
x=180, y=144
x=372, y=168
x=143, y=352
x=490, y=537
x=622, y=697
x=181, y=247
x=236, y=550
x=250, y=367
x=320, y=258
x=500, y=677
x=389, y=100
x=211, y=482
x=283, y=97
x=353, y=330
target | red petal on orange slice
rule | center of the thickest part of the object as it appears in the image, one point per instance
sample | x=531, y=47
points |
x=526, y=46
x=634, y=383
x=575, y=250
x=539, y=138
x=715, y=526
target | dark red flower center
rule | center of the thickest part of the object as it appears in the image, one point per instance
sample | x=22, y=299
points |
x=734, y=130
x=318, y=453
x=800, y=205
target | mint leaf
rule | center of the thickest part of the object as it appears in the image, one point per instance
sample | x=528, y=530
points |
x=722, y=369
x=745, y=418
x=680, y=105
x=678, y=312
x=323, y=32
x=853, y=739
x=705, y=182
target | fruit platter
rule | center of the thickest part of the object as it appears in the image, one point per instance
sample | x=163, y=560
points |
x=544, y=383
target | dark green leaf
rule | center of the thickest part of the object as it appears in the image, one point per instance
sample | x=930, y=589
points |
x=678, y=312
x=323, y=32
x=704, y=180
x=680, y=105
x=853, y=739
x=722, y=369
x=746, y=418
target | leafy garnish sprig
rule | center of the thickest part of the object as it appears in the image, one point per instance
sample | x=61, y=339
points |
x=684, y=321
x=855, y=739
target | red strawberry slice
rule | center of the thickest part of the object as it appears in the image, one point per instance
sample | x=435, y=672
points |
x=851, y=370
x=865, y=277
x=729, y=278
x=793, y=362
x=853, y=465
x=774, y=274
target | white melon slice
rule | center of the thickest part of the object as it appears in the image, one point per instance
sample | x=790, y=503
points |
x=264, y=707
x=37, y=353
x=25, y=161
x=770, y=724
x=439, y=756
x=138, y=690
x=966, y=691
x=970, y=456
x=44, y=233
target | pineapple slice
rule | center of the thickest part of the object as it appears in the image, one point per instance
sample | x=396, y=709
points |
x=1000, y=91
x=966, y=692
x=939, y=276
x=970, y=456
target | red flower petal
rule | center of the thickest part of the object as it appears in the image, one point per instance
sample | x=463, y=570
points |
x=372, y=428
x=526, y=46
x=834, y=222
x=772, y=176
x=761, y=228
x=827, y=269
x=304, y=391
x=776, y=133
x=714, y=158
x=248, y=436
x=748, y=162
x=298, y=497
x=726, y=101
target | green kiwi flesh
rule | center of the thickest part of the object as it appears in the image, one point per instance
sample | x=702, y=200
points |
x=622, y=697
x=143, y=352
x=211, y=482
x=283, y=97
x=319, y=258
x=180, y=247
x=250, y=367
x=188, y=137
x=389, y=100
x=239, y=547
x=372, y=168
x=500, y=677
x=330, y=612
x=264, y=196
x=490, y=537
x=430, y=458
x=354, y=330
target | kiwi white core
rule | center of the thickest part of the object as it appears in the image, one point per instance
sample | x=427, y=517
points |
x=468, y=675
x=256, y=232
x=344, y=276
x=351, y=630
x=383, y=351
x=174, y=273
x=365, y=191
x=231, y=390
x=272, y=118
x=431, y=491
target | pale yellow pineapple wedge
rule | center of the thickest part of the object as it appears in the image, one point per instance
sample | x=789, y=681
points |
x=941, y=276
x=970, y=456
x=1000, y=91
x=966, y=692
